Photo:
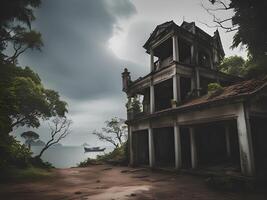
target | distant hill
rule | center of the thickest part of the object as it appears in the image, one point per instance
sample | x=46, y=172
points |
x=36, y=143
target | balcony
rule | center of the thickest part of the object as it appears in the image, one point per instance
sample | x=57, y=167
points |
x=159, y=64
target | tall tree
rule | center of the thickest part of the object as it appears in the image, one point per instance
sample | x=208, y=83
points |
x=30, y=137
x=248, y=22
x=23, y=99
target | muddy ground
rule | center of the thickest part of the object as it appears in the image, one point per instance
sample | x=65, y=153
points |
x=105, y=182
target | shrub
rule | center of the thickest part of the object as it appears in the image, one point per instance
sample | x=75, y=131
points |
x=214, y=86
x=214, y=89
x=38, y=162
x=17, y=174
x=118, y=156
x=88, y=162
x=13, y=153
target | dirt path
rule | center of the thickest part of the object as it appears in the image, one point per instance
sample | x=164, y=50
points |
x=106, y=183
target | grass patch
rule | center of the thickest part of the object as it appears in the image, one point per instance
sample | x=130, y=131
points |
x=18, y=174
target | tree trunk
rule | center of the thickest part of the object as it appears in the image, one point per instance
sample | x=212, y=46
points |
x=41, y=152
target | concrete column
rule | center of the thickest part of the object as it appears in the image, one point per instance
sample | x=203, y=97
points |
x=175, y=49
x=176, y=88
x=130, y=136
x=151, y=148
x=245, y=142
x=151, y=60
x=196, y=54
x=177, y=147
x=152, y=99
x=193, y=147
x=197, y=81
x=227, y=140
x=192, y=54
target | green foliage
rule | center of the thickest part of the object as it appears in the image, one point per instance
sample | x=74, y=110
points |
x=248, y=21
x=250, y=68
x=214, y=87
x=256, y=68
x=234, y=65
x=24, y=100
x=249, y=16
x=30, y=173
x=118, y=155
x=134, y=104
x=12, y=153
x=39, y=163
x=89, y=162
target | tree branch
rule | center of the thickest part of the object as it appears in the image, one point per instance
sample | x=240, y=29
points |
x=60, y=130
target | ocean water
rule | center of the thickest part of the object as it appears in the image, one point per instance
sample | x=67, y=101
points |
x=66, y=156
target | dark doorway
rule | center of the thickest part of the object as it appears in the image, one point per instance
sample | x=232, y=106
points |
x=185, y=87
x=164, y=146
x=163, y=95
x=140, y=147
x=212, y=145
x=184, y=51
x=259, y=138
x=234, y=143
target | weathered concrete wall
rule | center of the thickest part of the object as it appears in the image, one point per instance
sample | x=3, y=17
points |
x=140, y=125
x=209, y=115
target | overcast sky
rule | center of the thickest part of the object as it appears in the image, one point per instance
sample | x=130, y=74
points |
x=87, y=43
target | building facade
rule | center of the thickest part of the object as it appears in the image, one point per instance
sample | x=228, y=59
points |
x=173, y=119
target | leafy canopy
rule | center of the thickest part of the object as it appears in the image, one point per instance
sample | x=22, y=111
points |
x=248, y=20
x=234, y=65
x=24, y=100
x=15, y=28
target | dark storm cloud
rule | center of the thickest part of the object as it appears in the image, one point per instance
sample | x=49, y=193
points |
x=75, y=59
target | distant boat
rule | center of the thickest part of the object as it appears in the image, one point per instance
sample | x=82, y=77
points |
x=93, y=149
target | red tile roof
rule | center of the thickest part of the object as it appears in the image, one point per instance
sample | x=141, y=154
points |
x=240, y=89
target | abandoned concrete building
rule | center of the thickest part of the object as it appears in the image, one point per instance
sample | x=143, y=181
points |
x=178, y=123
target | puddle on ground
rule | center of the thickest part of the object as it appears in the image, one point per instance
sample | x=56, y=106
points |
x=120, y=193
